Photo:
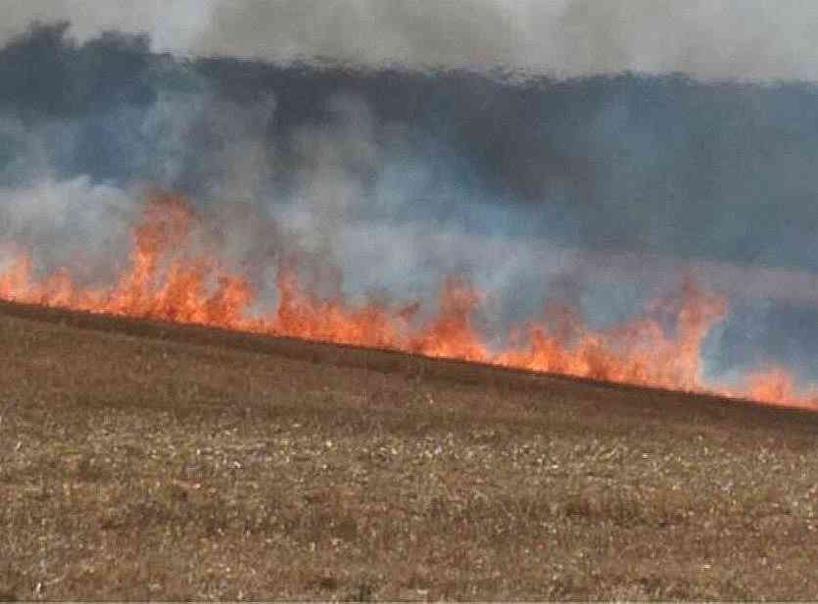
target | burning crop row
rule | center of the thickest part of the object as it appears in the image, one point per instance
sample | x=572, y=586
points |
x=170, y=279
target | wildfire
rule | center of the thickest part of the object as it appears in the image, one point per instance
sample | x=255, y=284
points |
x=172, y=277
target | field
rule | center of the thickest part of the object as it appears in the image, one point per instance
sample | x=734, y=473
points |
x=148, y=461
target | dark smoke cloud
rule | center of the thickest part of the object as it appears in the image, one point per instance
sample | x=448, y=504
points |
x=532, y=187
x=658, y=164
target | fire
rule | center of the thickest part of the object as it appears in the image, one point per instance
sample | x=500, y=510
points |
x=174, y=276
x=451, y=334
x=640, y=352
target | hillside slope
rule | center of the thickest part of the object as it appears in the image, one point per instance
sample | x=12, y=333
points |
x=140, y=460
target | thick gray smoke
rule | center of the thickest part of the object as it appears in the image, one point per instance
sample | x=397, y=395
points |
x=753, y=39
x=600, y=191
x=709, y=39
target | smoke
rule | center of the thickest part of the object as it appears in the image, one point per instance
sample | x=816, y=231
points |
x=649, y=164
x=71, y=223
x=597, y=191
x=169, y=23
x=722, y=40
x=712, y=40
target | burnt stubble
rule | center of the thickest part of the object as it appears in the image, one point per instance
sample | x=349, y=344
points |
x=141, y=460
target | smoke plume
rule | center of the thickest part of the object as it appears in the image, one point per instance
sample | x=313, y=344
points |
x=714, y=40
x=600, y=192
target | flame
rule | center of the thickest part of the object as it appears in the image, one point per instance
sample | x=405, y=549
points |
x=451, y=334
x=639, y=352
x=171, y=276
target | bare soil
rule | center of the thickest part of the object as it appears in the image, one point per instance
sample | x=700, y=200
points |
x=149, y=461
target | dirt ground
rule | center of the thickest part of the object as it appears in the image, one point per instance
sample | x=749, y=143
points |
x=146, y=461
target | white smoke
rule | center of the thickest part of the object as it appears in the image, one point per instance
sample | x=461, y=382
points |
x=708, y=39
x=70, y=223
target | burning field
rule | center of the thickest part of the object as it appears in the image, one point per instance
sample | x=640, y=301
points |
x=233, y=458
x=175, y=273
x=427, y=316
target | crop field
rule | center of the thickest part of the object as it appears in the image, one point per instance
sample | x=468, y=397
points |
x=143, y=460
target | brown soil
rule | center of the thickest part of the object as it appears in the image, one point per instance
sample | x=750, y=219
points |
x=148, y=461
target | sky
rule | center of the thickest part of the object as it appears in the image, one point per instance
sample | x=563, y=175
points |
x=759, y=40
x=628, y=143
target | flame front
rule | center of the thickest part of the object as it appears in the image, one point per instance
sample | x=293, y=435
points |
x=168, y=280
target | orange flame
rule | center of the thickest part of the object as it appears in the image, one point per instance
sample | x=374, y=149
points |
x=168, y=280
x=639, y=352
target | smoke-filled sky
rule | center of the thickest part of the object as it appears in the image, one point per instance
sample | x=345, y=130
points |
x=721, y=39
x=591, y=151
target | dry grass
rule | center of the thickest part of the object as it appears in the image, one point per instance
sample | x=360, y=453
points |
x=147, y=461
